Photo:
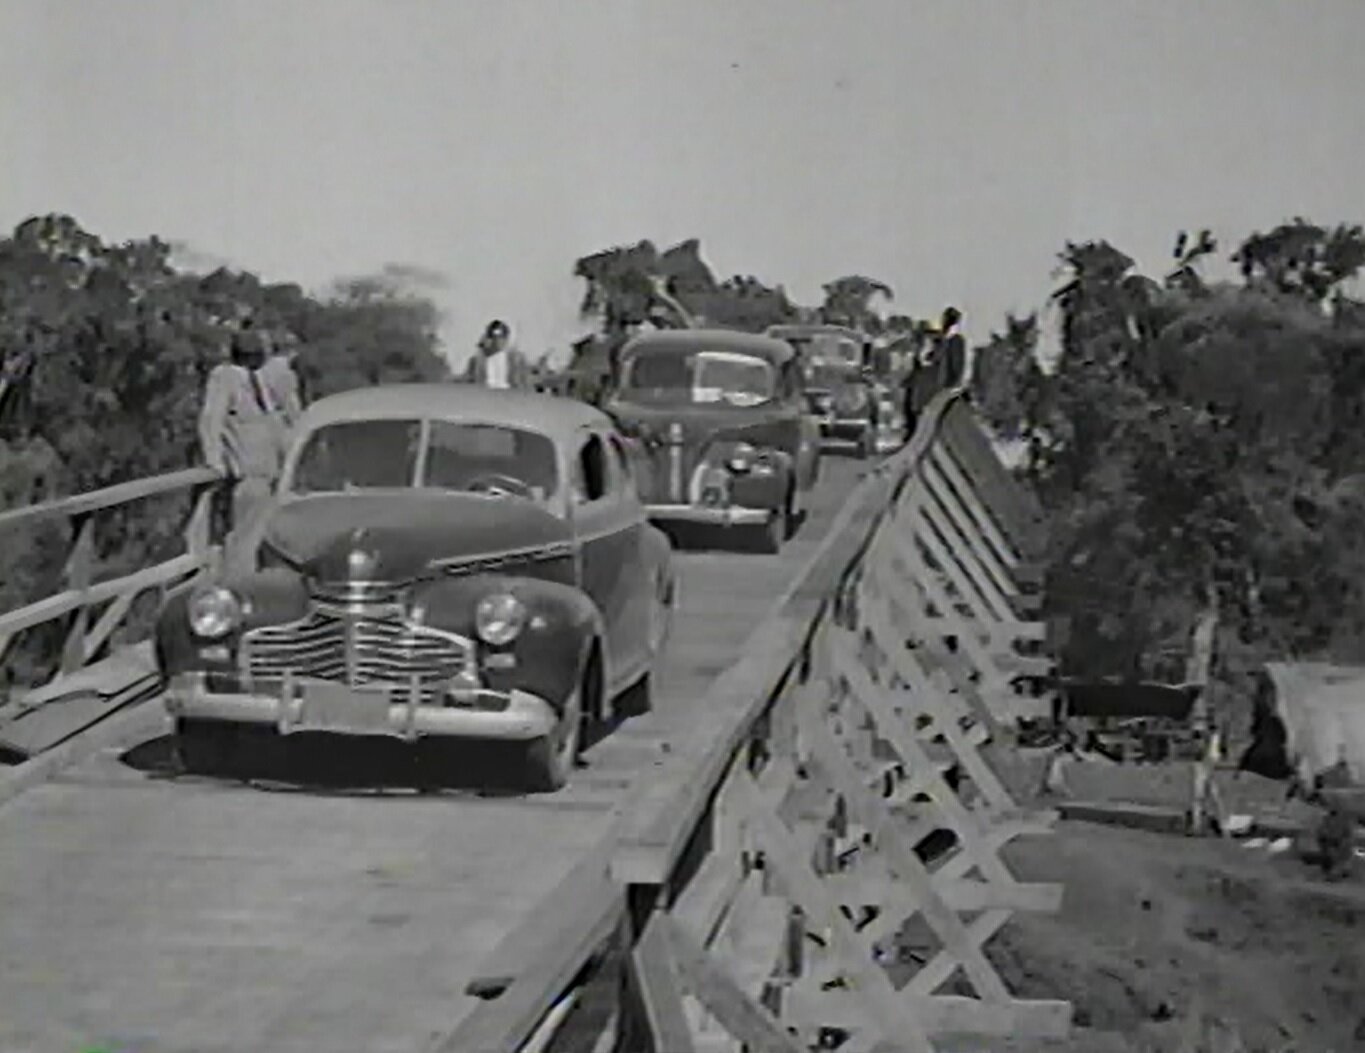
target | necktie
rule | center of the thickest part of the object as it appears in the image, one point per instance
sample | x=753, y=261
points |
x=257, y=391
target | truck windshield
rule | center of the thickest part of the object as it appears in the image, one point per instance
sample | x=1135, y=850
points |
x=700, y=377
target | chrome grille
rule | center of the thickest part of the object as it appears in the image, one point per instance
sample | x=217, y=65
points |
x=356, y=648
x=668, y=483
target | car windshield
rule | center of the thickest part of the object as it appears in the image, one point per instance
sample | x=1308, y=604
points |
x=701, y=376
x=387, y=454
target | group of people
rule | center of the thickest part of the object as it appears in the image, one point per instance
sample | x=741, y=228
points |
x=252, y=401
x=941, y=364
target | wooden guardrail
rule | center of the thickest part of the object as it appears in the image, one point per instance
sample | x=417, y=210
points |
x=803, y=864
x=95, y=609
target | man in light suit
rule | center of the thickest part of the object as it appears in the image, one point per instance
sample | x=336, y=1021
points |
x=498, y=364
x=241, y=435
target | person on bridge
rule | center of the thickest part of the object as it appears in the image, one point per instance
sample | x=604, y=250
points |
x=282, y=380
x=952, y=349
x=242, y=436
x=498, y=364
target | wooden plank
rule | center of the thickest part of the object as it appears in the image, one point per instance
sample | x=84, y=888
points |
x=918, y=891
x=108, y=497
x=938, y=1014
x=74, y=599
x=658, y=985
x=1007, y=559
x=736, y=1011
x=44, y=719
x=969, y=551
x=526, y=974
x=854, y=952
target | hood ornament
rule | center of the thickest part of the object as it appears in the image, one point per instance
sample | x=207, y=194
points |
x=360, y=562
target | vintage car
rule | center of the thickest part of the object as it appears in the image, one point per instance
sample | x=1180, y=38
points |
x=722, y=430
x=439, y=560
x=839, y=385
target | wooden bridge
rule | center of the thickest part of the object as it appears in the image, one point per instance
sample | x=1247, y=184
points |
x=803, y=839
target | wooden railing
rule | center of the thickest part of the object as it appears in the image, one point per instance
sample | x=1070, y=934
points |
x=832, y=794
x=94, y=609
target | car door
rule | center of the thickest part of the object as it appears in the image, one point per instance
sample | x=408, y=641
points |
x=609, y=541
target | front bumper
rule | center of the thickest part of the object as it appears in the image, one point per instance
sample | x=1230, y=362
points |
x=845, y=429
x=732, y=515
x=525, y=716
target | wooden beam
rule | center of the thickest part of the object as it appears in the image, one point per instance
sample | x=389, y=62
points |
x=73, y=599
x=109, y=497
x=659, y=987
x=723, y=998
x=529, y=971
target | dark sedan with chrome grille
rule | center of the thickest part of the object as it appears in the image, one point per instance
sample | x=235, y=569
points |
x=721, y=424
x=441, y=560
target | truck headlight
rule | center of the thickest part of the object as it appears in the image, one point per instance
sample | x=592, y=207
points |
x=499, y=619
x=214, y=612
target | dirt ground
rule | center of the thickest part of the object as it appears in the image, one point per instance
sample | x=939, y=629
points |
x=1197, y=945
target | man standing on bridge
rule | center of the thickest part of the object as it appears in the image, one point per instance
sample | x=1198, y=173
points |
x=498, y=364
x=242, y=436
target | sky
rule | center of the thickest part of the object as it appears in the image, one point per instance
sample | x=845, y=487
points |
x=947, y=147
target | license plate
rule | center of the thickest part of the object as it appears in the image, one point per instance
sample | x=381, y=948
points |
x=336, y=707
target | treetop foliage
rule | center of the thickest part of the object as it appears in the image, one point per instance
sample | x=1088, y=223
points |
x=104, y=350
x=1197, y=443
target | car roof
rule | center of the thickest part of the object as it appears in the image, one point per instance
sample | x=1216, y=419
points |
x=553, y=415
x=775, y=351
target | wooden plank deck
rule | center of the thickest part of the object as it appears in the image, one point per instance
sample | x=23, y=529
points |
x=168, y=915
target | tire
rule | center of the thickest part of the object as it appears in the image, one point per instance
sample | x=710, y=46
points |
x=636, y=700
x=791, y=516
x=549, y=759
x=769, y=535
x=205, y=747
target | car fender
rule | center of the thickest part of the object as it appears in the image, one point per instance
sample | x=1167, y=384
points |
x=549, y=657
x=268, y=597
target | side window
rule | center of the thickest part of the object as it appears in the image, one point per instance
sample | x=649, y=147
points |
x=593, y=478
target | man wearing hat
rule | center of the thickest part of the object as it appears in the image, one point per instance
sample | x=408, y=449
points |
x=241, y=436
x=497, y=364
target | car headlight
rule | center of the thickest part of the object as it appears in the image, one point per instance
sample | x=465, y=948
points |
x=214, y=612
x=741, y=458
x=499, y=618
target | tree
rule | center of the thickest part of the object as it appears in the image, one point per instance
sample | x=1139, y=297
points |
x=104, y=349
x=1186, y=442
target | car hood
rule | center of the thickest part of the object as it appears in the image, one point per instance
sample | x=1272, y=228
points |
x=402, y=534
x=696, y=423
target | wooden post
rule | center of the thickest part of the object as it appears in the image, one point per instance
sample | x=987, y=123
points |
x=78, y=575
x=1197, y=675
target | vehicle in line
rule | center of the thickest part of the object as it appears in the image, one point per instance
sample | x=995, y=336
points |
x=440, y=561
x=724, y=436
x=845, y=397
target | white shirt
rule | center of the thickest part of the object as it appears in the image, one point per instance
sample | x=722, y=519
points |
x=498, y=374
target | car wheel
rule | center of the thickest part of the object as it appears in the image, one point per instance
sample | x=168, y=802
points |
x=550, y=758
x=791, y=515
x=770, y=533
x=205, y=747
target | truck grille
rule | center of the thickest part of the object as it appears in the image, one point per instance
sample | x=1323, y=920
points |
x=664, y=484
x=359, y=649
